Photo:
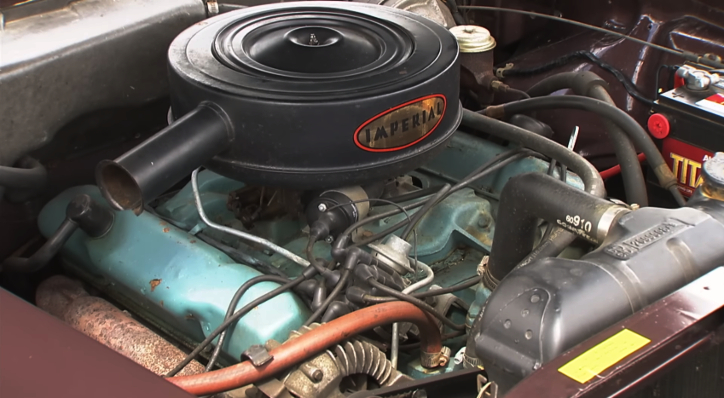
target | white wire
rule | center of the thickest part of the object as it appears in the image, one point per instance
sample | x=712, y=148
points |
x=395, y=346
x=243, y=235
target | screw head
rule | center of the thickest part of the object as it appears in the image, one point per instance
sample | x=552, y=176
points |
x=322, y=207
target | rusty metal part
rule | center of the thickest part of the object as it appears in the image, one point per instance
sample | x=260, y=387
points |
x=66, y=299
x=322, y=376
x=311, y=343
x=477, y=75
x=685, y=322
x=254, y=203
x=43, y=357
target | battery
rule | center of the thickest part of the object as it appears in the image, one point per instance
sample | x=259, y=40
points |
x=688, y=126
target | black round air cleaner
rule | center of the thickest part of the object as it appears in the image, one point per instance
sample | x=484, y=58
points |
x=311, y=94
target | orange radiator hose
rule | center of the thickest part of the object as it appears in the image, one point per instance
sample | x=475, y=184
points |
x=311, y=343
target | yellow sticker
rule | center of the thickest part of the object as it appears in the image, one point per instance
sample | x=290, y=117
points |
x=601, y=357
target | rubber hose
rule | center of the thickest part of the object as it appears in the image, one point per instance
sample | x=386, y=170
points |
x=40, y=258
x=532, y=196
x=591, y=85
x=635, y=132
x=312, y=343
x=30, y=175
x=592, y=181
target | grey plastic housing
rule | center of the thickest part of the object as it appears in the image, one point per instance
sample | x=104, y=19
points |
x=545, y=308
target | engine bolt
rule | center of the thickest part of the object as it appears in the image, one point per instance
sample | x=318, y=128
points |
x=329, y=240
x=312, y=372
x=322, y=207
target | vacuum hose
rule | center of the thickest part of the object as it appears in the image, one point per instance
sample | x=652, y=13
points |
x=627, y=124
x=591, y=85
x=309, y=344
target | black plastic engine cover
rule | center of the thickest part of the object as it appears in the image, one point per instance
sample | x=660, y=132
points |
x=545, y=308
x=321, y=94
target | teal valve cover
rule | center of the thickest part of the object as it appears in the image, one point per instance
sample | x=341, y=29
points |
x=172, y=279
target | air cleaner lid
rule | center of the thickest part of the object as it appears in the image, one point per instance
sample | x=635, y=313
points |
x=321, y=94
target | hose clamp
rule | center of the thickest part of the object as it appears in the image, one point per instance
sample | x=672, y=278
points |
x=607, y=220
x=435, y=360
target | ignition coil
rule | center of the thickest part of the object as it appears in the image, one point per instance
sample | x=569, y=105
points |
x=334, y=210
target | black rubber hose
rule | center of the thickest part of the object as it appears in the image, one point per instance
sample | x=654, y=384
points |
x=235, y=318
x=592, y=181
x=630, y=87
x=24, y=181
x=41, y=257
x=416, y=302
x=232, y=306
x=588, y=173
x=591, y=85
x=557, y=241
x=529, y=197
x=519, y=93
x=332, y=296
x=30, y=175
x=81, y=213
x=634, y=131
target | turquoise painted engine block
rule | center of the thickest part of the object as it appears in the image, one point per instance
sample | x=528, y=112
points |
x=158, y=268
x=173, y=279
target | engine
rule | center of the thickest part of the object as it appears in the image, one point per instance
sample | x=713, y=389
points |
x=326, y=199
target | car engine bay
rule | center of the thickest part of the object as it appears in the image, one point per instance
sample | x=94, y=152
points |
x=335, y=198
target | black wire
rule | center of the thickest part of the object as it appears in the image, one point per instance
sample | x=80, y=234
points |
x=431, y=202
x=658, y=75
x=420, y=193
x=235, y=254
x=453, y=6
x=232, y=306
x=431, y=292
x=630, y=87
x=233, y=319
x=502, y=160
x=335, y=292
x=391, y=203
x=416, y=302
x=242, y=257
x=449, y=289
x=575, y=23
